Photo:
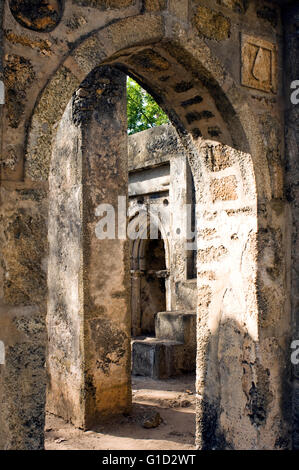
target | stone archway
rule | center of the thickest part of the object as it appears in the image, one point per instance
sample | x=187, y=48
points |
x=88, y=316
x=140, y=263
x=241, y=213
x=152, y=289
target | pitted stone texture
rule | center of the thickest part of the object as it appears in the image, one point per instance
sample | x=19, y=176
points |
x=224, y=189
x=173, y=350
x=44, y=46
x=218, y=158
x=105, y=4
x=24, y=370
x=177, y=326
x=268, y=14
x=88, y=317
x=211, y=254
x=24, y=247
x=154, y=5
x=38, y=15
x=179, y=8
x=155, y=358
x=211, y=24
x=149, y=61
x=238, y=6
x=48, y=112
x=18, y=76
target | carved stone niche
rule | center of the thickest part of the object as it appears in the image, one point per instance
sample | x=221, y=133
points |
x=38, y=15
x=258, y=64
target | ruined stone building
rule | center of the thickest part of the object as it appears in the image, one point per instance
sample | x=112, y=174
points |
x=163, y=272
x=226, y=73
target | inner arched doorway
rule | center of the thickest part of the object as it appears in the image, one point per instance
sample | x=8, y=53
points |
x=148, y=275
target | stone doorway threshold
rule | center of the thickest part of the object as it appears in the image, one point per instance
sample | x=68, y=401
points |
x=173, y=399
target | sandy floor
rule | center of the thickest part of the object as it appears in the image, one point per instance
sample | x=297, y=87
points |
x=173, y=399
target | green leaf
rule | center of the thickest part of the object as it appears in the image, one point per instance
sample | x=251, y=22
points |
x=143, y=111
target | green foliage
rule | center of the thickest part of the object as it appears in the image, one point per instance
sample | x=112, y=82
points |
x=143, y=111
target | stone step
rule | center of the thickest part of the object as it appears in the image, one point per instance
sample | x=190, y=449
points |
x=156, y=358
x=162, y=358
x=177, y=326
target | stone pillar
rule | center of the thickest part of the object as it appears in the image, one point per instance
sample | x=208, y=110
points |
x=242, y=315
x=135, y=302
x=168, y=292
x=89, y=314
x=183, y=290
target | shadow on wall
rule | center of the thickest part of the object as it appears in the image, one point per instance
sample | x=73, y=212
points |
x=152, y=295
x=241, y=384
x=239, y=393
x=238, y=398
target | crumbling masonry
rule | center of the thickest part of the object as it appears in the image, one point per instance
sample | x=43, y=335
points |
x=223, y=70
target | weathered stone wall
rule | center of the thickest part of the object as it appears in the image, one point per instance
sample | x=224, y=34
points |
x=226, y=242
x=160, y=149
x=291, y=67
x=88, y=307
x=152, y=289
x=2, y=91
x=22, y=315
x=23, y=298
x=65, y=318
x=183, y=290
x=107, y=323
x=216, y=68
